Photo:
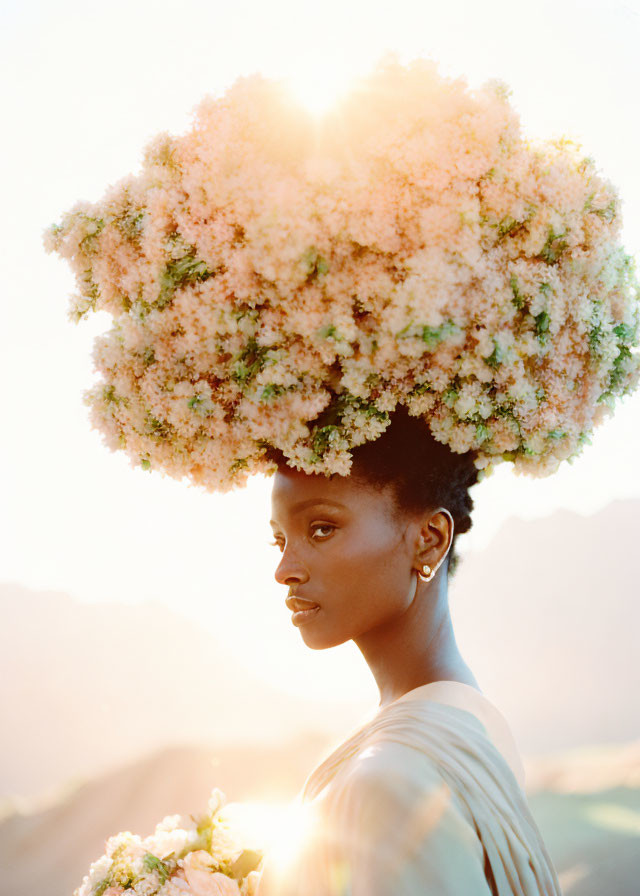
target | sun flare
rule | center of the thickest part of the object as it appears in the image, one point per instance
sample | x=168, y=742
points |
x=279, y=829
x=319, y=90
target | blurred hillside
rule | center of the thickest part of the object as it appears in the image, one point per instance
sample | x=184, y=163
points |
x=547, y=617
x=88, y=687
x=587, y=805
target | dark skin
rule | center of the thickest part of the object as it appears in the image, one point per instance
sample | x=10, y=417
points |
x=348, y=549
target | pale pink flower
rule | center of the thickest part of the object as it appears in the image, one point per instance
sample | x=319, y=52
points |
x=203, y=881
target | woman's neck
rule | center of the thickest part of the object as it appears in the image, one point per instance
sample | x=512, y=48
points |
x=416, y=648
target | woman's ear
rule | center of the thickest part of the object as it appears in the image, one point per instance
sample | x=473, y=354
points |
x=434, y=538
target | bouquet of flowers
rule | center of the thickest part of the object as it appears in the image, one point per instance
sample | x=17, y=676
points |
x=194, y=856
x=280, y=281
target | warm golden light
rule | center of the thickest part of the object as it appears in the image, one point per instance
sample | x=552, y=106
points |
x=280, y=829
x=318, y=90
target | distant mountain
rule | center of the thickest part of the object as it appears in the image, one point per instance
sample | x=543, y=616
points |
x=589, y=831
x=49, y=851
x=87, y=687
x=548, y=618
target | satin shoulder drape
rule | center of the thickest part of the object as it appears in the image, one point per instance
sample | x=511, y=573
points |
x=419, y=801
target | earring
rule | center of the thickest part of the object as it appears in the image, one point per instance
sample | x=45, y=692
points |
x=427, y=573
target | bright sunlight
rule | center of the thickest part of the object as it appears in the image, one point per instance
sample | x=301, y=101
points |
x=280, y=829
x=318, y=89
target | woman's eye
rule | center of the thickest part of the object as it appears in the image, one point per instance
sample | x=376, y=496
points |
x=320, y=526
x=320, y=532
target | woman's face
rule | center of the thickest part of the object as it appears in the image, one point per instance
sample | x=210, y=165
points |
x=347, y=553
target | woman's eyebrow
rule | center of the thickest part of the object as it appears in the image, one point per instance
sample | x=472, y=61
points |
x=310, y=502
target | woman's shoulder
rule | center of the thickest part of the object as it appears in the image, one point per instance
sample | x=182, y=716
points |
x=415, y=737
x=384, y=763
x=488, y=721
x=389, y=781
x=393, y=810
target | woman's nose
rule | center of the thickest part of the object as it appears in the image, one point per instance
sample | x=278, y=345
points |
x=290, y=571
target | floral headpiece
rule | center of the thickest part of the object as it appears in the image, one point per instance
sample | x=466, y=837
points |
x=281, y=281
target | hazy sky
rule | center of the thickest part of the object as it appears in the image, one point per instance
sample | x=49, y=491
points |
x=84, y=88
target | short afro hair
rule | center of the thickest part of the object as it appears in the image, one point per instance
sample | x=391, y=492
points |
x=425, y=474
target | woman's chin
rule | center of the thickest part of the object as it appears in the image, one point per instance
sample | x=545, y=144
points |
x=318, y=640
x=314, y=642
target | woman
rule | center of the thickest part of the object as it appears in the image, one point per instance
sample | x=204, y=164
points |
x=427, y=797
x=280, y=287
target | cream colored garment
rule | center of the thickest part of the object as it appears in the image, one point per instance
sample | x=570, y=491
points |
x=421, y=800
x=455, y=693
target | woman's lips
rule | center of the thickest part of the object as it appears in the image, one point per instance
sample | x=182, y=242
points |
x=294, y=602
x=303, y=609
x=302, y=616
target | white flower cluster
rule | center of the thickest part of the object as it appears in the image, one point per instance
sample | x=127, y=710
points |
x=194, y=856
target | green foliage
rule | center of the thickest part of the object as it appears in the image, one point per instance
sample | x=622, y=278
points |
x=315, y=265
x=625, y=332
x=272, y=390
x=431, y=336
x=553, y=247
x=180, y=272
x=249, y=362
x=160, y=429
x=201, y=404
x=331, y=332
x=497, y=356
x=89, y=243
x=247, y=861
x=323, y=437
x=131, y=224
x=110, y=396
x=421, y=389
x=518, y=298
x=450, y=395
x=507, y=225
x=240, y=463
x=89, y=296
x=505, y=411
x=246, y=312
x=328, y=429
x=162, y=153
x=595, y=338
x=617, y=375
x=607, y=212
x=102, y=886
x=204, y=823
x=585, y=438
x=149, y=356
x=153, y=863
x=542, y=322
x=587, y=162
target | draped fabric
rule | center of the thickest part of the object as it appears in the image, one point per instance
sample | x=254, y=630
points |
x=418, y=801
